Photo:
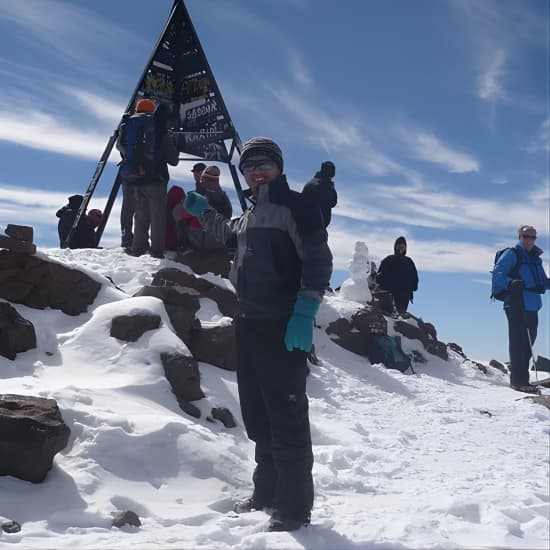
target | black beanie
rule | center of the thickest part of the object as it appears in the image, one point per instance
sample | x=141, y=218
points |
x=261, y=146
x=399, y=240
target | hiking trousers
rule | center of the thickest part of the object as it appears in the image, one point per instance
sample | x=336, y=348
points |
x=519, y=322
x=127, y=213
x=150, y=212
x=274, y=406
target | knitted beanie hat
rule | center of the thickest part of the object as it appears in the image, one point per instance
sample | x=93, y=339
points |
x=261, y=146
x=145, y=106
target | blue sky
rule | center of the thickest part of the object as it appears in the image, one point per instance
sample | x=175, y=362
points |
x=435, y=112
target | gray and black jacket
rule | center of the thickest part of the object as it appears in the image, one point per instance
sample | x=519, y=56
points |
x=282, y=251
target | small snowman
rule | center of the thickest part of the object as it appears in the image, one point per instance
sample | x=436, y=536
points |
x=356, y=288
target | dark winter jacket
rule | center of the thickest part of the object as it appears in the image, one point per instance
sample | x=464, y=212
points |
x=84, y=235
x=530, y=271
x=397, y=273
x=165, y=150
x=166, y=154
x=321, y=191
x=217, y=199
x=282, y=251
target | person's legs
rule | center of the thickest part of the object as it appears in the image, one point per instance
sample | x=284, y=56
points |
x=142, y=222
x=520, y=351
x=532, y=323
x=249, y=353
x=283, y=382
x=127, y=214
x=156, y=193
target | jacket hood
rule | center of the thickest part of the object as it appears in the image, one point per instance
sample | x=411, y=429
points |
x=400, y=240
x=75, y=201
x=174, y=195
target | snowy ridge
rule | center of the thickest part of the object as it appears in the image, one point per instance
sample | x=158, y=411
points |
x=449, y=458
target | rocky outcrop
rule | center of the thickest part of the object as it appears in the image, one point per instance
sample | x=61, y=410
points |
x=32, y=431
x=347, y=336
x=120, y=519
x=224, y=416
x=182, y=372
x=180, y=303
x=37, y=283
x=217, y=262
x=225, y=299
x=214, y=345
x=130, y=328
x=425, y=332
x=16, y=333
x=356, y=335
x=18, y=239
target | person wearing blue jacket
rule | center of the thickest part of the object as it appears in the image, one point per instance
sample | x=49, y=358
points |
x=281, y=269
x=520, y=273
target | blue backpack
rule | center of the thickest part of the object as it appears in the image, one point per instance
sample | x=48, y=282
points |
x=387, y=350
x=514, y=273
x=138, y=148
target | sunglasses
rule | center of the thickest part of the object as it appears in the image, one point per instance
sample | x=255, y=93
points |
x=262, y=165
x=534, y=237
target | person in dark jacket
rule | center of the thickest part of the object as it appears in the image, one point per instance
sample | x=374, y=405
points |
x=397, y=274
x=128, y=208
x=67, y=215
x=520, y=272
x=151, y=196
x=281, y=269
x=320, y=191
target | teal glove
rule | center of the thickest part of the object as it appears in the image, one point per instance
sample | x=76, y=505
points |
x=299, y=330
x=195, y=204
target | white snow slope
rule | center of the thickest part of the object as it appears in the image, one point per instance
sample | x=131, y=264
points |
x=446, y=458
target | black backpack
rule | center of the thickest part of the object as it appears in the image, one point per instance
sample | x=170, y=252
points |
x=138, y=149
x=514, y=273
x=387, y=350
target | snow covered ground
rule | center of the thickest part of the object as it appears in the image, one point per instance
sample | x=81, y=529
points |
x=449, y=458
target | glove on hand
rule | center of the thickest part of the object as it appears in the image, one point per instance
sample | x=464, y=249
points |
x=517, y=286
x=195, y=204
x=299, y=330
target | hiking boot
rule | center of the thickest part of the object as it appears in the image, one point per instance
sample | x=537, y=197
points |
x=526, y=388
x=278, y=524
x=251, y=504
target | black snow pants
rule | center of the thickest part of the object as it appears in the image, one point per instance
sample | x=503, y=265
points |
x=274, y=405
x=519, y=322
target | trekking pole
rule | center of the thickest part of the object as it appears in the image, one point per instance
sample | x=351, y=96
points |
x=532, y=354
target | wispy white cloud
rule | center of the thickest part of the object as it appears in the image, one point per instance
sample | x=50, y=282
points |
x=429, y=207
x=299, y=69
x=490, y=85
x=541, y=143
x=98, y=106
x=337, y=133
x=38, y=130
x=500, y=35
x=429, y=148
x=238, y=16
x=72, y=33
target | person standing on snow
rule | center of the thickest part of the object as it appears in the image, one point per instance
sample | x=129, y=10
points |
x=281, y=269
x=520, y=273
x=320, y=191
x=397, y=274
